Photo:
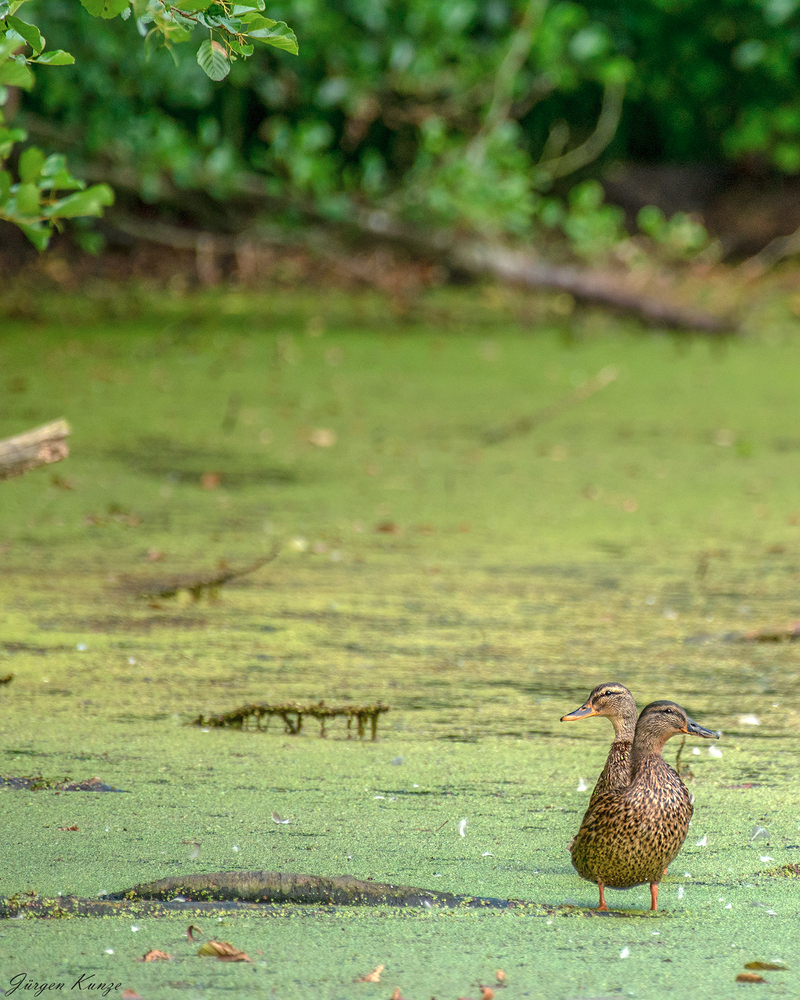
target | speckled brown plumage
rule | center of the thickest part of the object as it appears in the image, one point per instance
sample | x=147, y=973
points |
x=615, y=702
x=629, y=836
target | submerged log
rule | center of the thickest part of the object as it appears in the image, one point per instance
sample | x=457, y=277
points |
x=268, y=894
x=41, y=446
x=290, y=887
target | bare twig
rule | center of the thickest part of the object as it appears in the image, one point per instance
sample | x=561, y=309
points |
x=605, y=130
x=512, y=63
x=41, y=446
x=526, y=424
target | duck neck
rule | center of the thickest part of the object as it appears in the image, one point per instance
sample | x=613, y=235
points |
x=624, y=727
x=646, y=751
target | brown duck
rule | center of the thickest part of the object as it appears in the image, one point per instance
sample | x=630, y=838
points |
x=615, y=702
x=629, y=836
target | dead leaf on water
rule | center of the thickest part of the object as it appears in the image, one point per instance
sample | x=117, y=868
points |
x=372, y=977
x=322, y=437
x=69, y=828
x=210, y=480
x=388, y=528
x=749, y=977
x=487, y=993
x=771, y=966
x=154, y=955
x=500, y=976
x=223, y=951
x=396, y=995
x=189, y=932
x=131, y=995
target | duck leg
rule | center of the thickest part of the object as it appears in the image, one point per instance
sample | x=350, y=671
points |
x=654, y=895
x=602, y=905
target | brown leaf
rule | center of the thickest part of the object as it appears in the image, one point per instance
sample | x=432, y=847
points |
x=154, y=955
x=487, y=993
x=772, y=966
x=388, y=528
x=223, y=951
x=69, y=828
x=210, y=480
x=372, y=977
x=396, y=995
x=749, y=977
x=189, y=932
x=131, y=995
x=500, y=976
x=155, y=555
x=322, y=437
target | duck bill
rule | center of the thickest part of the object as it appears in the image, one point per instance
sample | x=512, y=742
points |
x=693, y=728
x=584, y=712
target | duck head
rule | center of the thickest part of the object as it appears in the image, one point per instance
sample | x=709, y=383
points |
x=615, y=702
x=661, y=720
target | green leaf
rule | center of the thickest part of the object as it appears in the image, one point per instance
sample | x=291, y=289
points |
x=89, y=202
x=192, y=5
x=30, y=164
x=7, y=47
x=29, y=32
x=5, y=186
x=8, y=136
x=56, y=163
x=243, y=50
x=276, y=33
x=38, y=234
x=57, y=57
x=105, y=8
x=213, y=61
x=248, y=8
x=16, y=74
x=27, y=198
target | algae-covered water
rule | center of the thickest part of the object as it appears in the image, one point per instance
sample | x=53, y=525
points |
x=479, y=589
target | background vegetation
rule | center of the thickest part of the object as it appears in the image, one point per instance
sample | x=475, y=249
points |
x=467, y=112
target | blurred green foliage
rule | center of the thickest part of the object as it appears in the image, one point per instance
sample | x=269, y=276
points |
x=31, y=199
x=469, y=113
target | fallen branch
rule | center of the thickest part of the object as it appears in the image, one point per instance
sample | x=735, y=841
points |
x=293, y=714
x=41, y=446
x=195, y=586
x=477, y=259
x=525, y=424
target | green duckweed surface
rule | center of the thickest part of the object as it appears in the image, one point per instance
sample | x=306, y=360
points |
x=631, y=538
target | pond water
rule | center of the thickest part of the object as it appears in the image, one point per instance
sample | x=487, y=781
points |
x=479, y=589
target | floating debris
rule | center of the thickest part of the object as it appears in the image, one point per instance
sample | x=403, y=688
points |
x=293, y=714
x=36, y=783
x=197, y=585
x=785, y=871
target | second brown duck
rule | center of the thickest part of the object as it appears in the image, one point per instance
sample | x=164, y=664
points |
x=629, y=836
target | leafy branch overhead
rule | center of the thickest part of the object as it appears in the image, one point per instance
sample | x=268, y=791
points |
x=44, y=192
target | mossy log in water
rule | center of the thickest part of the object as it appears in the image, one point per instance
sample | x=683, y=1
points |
x=264, y=892
x=293, y=714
